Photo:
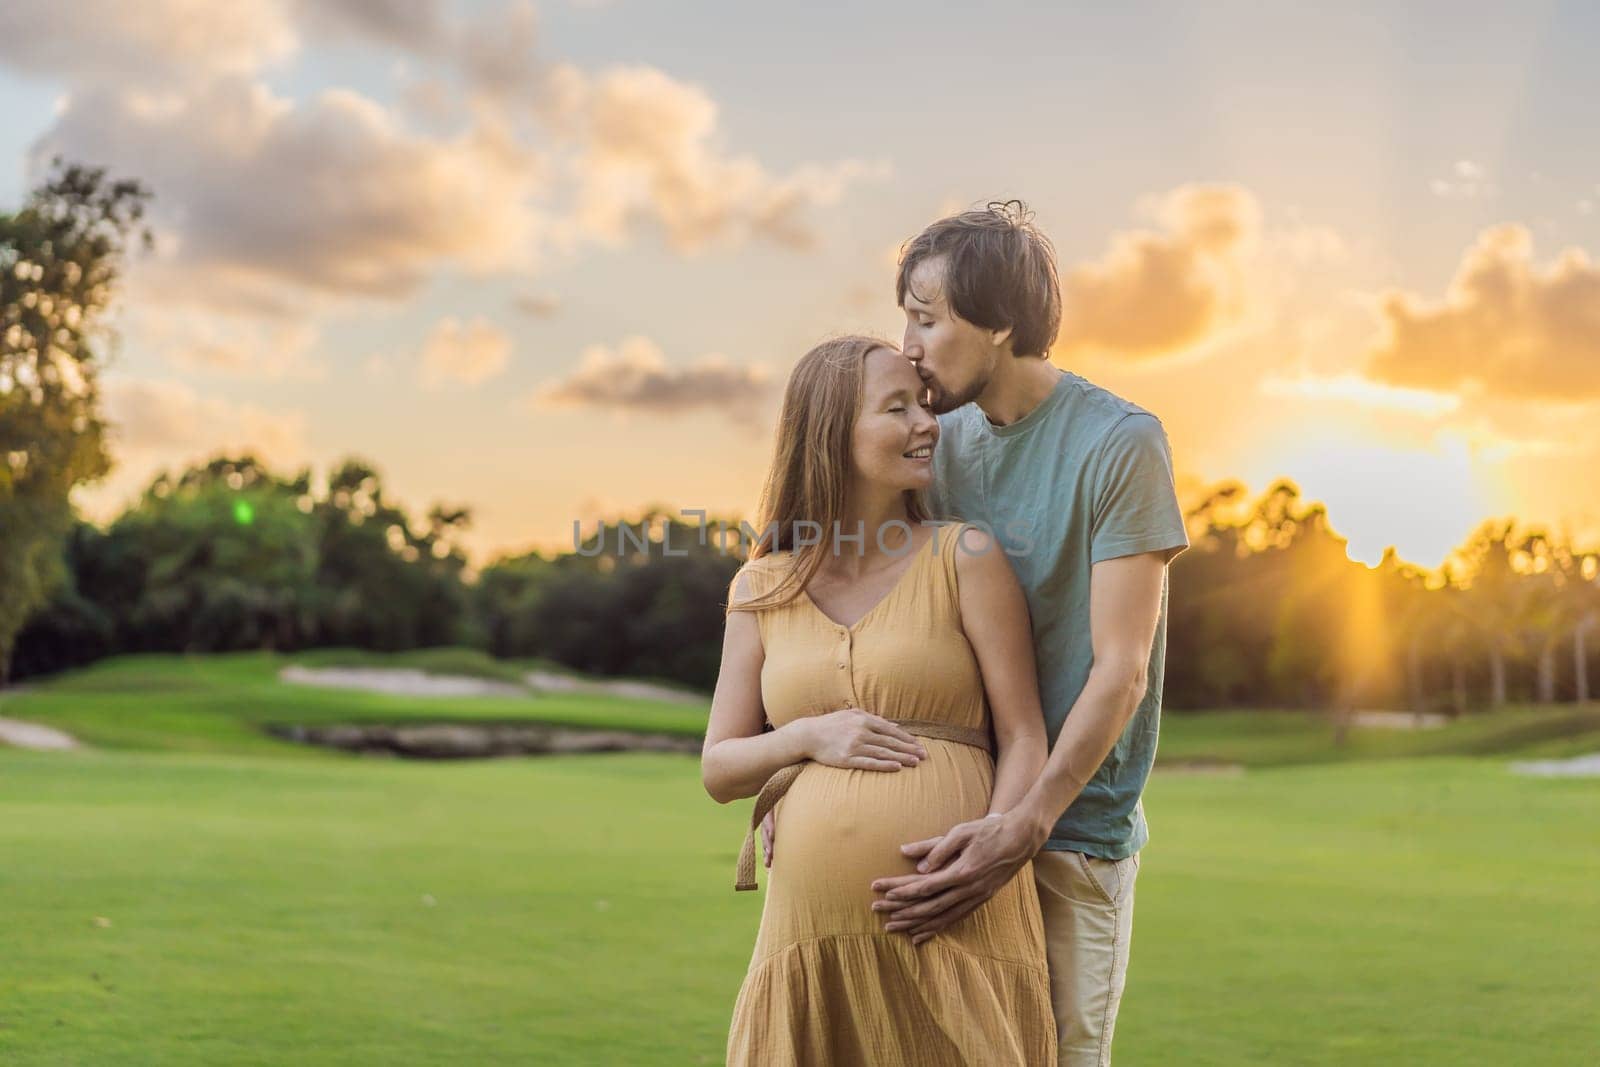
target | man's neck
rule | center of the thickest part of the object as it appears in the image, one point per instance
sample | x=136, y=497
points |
x=1020, y=384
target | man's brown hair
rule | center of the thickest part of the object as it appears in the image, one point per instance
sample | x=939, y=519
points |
x=999, y=271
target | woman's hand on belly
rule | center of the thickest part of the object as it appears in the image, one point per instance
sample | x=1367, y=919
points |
x=858, y=740
x=852, y=739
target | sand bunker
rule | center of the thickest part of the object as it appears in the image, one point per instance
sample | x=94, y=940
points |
x=1577, y=767
x=482, y=740
x=1401, y=720
x=550, y=682
x=479, y=740
x=410, y=682
x=400, y=681
x=20, y=734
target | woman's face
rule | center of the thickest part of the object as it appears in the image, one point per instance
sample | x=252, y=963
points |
x=895, y=430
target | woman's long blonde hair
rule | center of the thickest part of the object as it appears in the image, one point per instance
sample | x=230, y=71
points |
x=811, y=462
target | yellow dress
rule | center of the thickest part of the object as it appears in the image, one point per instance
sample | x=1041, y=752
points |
x=827, y=984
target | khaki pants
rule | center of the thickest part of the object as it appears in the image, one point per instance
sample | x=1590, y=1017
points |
x=1088, y=924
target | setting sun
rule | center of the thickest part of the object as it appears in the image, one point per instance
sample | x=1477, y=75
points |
x=1423, y=503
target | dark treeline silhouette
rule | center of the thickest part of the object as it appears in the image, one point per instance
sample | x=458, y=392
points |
x=230, y=556
x=1267, y=610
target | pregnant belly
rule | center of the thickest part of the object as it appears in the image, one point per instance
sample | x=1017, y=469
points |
x=837, y=830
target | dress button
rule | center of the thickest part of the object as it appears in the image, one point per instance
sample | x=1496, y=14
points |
x=842, y=666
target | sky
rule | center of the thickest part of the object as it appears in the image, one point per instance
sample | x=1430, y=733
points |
x=553, y=262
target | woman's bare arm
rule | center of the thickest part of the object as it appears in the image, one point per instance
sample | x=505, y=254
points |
x=994, y=613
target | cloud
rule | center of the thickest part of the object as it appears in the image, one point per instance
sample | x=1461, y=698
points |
x=413, y=25
x=333, y=193
x=165, y=425
x=495, y=53
x=635, y=377
x=271, y=348
x=647, y=147
x=375, y=367
x=538, y=305
x=171, y=418
x=1157, y=293
x=1467, y=181
x=1506, y=328
x=273, y=211
x=465, y=353
x=330, y=196
x=1354, y=389
x=157, y=43
x=150, y=43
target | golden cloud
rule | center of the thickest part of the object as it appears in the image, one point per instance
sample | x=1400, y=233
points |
x=1506, y=327
x=329, y=195
x=274, y=348
x=647, y=147
x=1157, y=293
x=173, y=421
x=538, y=305
x=165, y=425
x=467, y=353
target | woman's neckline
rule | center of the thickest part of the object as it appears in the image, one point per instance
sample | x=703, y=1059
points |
x=916, y=556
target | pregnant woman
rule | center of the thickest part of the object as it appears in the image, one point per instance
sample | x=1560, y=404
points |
x=878, y=686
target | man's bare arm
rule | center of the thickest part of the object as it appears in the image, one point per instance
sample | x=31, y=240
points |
x=1124, y=608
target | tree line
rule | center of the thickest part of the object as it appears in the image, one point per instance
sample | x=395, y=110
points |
x=1266, y=608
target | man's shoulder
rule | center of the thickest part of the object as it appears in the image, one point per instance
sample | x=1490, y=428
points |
x=953, y=422
x=1100, y=405
x=1092, y=419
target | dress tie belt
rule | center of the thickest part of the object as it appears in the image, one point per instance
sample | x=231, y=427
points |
x=779, y=783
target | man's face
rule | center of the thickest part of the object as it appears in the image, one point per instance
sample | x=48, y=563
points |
x=954, y=358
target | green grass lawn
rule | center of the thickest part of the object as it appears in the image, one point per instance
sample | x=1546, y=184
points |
x=278, y=905
x=220, y=703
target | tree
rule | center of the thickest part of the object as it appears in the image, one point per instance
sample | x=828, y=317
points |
x=1414, y=615
x=382, y=584
x=1588, y=621
x=1576, y=612
x=1497, y=597
x=224, y=568
x=1458, y=635
x=60, y=258
x=621, y=604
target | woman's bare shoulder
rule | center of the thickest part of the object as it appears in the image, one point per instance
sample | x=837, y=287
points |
x=979, y=555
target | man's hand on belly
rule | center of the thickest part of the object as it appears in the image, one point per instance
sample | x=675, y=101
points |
x=956, y=873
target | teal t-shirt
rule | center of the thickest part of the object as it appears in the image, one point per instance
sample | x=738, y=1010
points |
x=1084, y=477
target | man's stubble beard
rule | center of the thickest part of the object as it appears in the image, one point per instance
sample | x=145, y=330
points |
x=944, y=403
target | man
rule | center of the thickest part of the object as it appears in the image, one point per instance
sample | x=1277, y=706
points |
x=1077, y=485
